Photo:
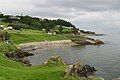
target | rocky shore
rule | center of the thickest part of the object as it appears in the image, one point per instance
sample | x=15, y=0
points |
x=48, y=44
x=19, y=55
x=88, y=41
x=77, y=69
x=42, y=45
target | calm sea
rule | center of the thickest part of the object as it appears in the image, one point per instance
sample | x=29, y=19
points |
x=105, y=58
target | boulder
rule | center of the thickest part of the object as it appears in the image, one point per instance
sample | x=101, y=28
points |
x=98, y=42
x=19, y=55
x=54, y=60
x=27, y=62
x=87, y=41
x=80, y=70
x=82, y=42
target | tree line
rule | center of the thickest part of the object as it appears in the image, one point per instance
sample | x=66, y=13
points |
x=28, y=22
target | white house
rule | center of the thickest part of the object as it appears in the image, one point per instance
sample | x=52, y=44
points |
x=2, y=25
x=67, y=27
x=43, y=29
x=8, y=28
x=49, y=33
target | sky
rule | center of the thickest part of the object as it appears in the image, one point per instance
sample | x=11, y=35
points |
x=95, y=15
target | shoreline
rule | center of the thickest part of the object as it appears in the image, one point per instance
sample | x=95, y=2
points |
x=42, y=45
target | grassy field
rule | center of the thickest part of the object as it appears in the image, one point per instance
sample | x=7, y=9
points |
x=32, y=36
x=12, y=70
x=3, y=23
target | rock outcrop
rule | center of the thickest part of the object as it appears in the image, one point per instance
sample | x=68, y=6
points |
x=82, y=42
x=80, y=70
x=19, y=55
x=98, y=42
x=87, y=41
x=54, y=60
x=75, y=69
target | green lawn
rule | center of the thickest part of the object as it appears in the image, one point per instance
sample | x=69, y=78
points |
x=31, y=36
x=12, y=70
x=3, y=23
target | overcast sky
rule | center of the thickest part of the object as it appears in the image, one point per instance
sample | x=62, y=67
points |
x=96, y=15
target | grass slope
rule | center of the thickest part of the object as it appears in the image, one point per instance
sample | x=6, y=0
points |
x=11, y=70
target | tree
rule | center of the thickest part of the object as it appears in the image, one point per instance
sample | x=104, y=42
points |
x=60, y=29
x=75, y=31
x=38, y=23
x=64, y=23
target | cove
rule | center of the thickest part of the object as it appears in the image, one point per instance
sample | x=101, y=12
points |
x=105, y=58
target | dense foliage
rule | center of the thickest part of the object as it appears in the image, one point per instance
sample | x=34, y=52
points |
x=34, y=22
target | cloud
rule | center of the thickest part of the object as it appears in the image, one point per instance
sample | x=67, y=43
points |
x=98, y=13
x=87, y=5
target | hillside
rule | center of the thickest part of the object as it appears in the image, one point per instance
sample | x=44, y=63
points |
x=15, y=70
x=33, y=22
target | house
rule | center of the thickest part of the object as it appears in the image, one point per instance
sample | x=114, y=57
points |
x=67, y=27
x=49, y=33
x=14, y=18
x=43, y=29
x=1, y=26
x=8, y=28
x=54, y=33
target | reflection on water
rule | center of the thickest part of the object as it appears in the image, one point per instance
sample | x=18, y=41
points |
x=106, y=58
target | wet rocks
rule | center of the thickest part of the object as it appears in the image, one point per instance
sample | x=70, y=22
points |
x=19, y=55
x=25, y=61
x=87, y=41
x=82, y=42
x=98, y=42
x=75, y=69
x=80, y=70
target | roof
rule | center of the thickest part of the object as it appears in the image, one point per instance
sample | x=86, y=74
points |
x=14, y=17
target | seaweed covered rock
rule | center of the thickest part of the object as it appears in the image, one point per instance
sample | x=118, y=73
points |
x=19, y=55
x=98, y=42
x=87, y=41
x=80, y=70
x=82, y=42
x=25, y=61
x=55, y=60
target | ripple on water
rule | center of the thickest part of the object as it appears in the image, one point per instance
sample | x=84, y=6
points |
x=106, y=58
